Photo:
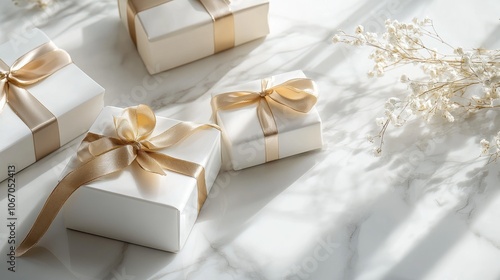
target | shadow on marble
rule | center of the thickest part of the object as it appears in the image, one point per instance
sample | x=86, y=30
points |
x=118, y=59
x=85, y=256
x=104, y=257
x=433, y=156
x=36, y=263
x=425, y=249
x=239, y=195
x=35, y=183
x=421, y=254
x=418, y=141
x=463, y=180
x=371, y=15
x=27, y=175
x=492, y=41
x=205, y=75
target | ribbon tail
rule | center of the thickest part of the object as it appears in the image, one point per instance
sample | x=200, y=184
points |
x=187, y=168
x=176, y=134
x=97, y=167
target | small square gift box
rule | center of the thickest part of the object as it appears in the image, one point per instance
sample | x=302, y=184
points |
x=171, y=33
x=45, y=100
x=267, y=119
x=137, y=178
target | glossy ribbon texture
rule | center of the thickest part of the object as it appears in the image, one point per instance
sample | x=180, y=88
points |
x=101, y=155
x=223, y=19
x=298, y=95
x=29, y=69
x=219, y=11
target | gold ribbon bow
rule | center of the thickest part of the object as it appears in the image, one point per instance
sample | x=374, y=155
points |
x=219, y=11
x=102, y=155
x=29, y=69
x=296, y=94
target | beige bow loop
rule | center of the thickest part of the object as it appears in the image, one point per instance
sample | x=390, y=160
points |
x=299, y=95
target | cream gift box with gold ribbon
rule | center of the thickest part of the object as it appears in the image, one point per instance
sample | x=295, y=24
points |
x=267, y=119
x=135, y=205
x=45, y=102
x=170, y=33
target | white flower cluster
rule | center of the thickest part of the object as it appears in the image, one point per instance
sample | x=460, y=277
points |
x=449, y=80
x=491, y=150
x=38, y=3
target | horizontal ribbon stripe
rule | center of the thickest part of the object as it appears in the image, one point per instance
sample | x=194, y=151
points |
x=296, y=94
x=101, y=155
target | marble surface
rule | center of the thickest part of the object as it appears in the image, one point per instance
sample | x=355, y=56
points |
x=428, y=209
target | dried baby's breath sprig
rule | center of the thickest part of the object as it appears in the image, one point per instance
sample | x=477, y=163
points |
x=491, y=150
x=454, y=83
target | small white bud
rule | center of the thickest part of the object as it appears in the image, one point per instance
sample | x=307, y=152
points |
x=485, y=147
x=377, y=152
x=359, y=29
x=449, y=117
x=459, y=51
x=380, y=121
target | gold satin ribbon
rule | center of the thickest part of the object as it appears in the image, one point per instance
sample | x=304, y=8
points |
x=102, y=155
x=219, y=11
x=223, y=20
x=296, y=94
x=29, y=69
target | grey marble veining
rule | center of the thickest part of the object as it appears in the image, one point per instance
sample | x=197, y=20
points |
x=427, y=209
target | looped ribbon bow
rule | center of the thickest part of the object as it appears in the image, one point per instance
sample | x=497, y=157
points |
x=101, y=155
x=219, y=11
x=29, y=69
x=298, y=95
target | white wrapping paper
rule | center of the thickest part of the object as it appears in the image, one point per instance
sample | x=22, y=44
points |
x=242, y=134
x=140, y=207
x=179, y=32
x=72, y=96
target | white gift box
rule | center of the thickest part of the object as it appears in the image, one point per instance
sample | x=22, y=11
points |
x=144, y=208
x=69, y=94
x=242, y=135
x=179, y=32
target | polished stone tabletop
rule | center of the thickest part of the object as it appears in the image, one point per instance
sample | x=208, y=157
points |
x=428, y=208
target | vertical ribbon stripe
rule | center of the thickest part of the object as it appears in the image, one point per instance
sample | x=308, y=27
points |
x=29, y=69
x=298, y=95
x=101, y=155
x=223, y=18
x=269, y=128
x=42, y=123
x=219, y=11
